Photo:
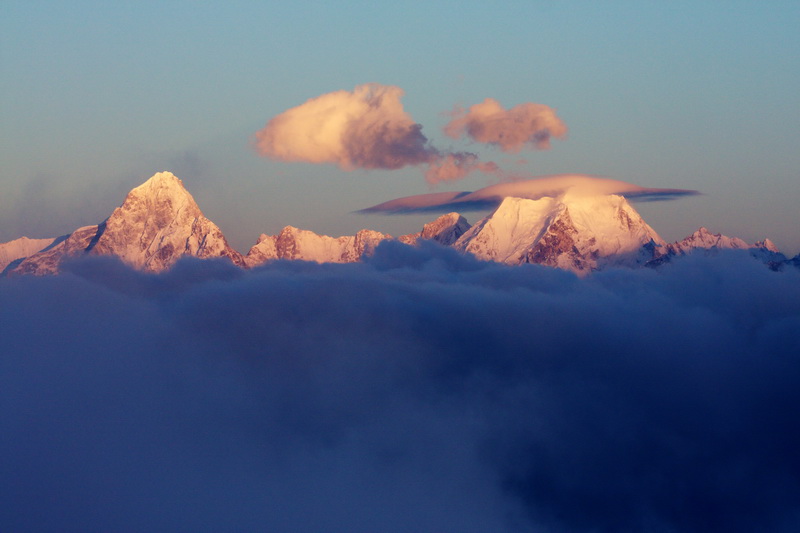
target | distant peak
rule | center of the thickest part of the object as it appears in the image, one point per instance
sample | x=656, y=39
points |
x=767, y=244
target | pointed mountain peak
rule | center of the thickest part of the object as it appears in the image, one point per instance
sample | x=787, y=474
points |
x=159, y=222
x=161, y=187
x=767, y=244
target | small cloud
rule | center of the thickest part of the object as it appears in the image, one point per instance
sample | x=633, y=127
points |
x=525, y=125
x=366, y=128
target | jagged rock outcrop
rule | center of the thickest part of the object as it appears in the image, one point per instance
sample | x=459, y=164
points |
x=445, y=230
x=298, y=244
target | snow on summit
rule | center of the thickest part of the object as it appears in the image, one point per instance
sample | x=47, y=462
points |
x=157, y=223
x=574, y=232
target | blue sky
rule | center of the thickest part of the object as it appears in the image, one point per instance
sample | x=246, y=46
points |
x=98, y=96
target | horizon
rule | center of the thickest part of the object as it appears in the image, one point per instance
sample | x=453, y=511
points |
x=684, y=96
x=483, y=204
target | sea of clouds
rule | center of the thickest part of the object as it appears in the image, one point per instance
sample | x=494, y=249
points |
x=420, y=391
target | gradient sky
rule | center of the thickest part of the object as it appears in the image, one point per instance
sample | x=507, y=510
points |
x=98, y=96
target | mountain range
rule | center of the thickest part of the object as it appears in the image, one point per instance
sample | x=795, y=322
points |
x=159, y=222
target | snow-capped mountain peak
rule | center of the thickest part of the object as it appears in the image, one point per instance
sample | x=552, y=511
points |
x=157, y=223
x=768, y=245
x=575, y=232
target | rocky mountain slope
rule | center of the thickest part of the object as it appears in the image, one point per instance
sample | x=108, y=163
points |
x=158, y=223
x=445, y=230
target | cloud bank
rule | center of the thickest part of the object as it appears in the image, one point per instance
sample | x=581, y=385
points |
x=422, y=391
x=525, y=125
x=364, y=128
x=555, y=185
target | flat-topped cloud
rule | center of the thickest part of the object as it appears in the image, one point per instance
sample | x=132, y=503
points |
x=533, y=189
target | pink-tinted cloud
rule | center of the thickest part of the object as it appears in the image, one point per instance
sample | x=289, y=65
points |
x=454, y=166
x=527, y=124
x=542, y=186
x=364, y=128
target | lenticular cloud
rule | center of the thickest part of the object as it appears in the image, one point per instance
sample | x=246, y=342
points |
x=533, y=189
x=364, y=128
x=420, y=391
x=525, y=125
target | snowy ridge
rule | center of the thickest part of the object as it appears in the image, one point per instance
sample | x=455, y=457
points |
x=704, y=241
x=47, y=261
x=702, y=238
x=304, y=245
x=20, y=249
x=299, y=244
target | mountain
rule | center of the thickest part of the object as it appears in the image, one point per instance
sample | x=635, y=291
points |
x=305, y=245
x=702, y=238
x=578, y=233
x=298, y=244
x=157, y=223
x=12, y=251
x=704, y=241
